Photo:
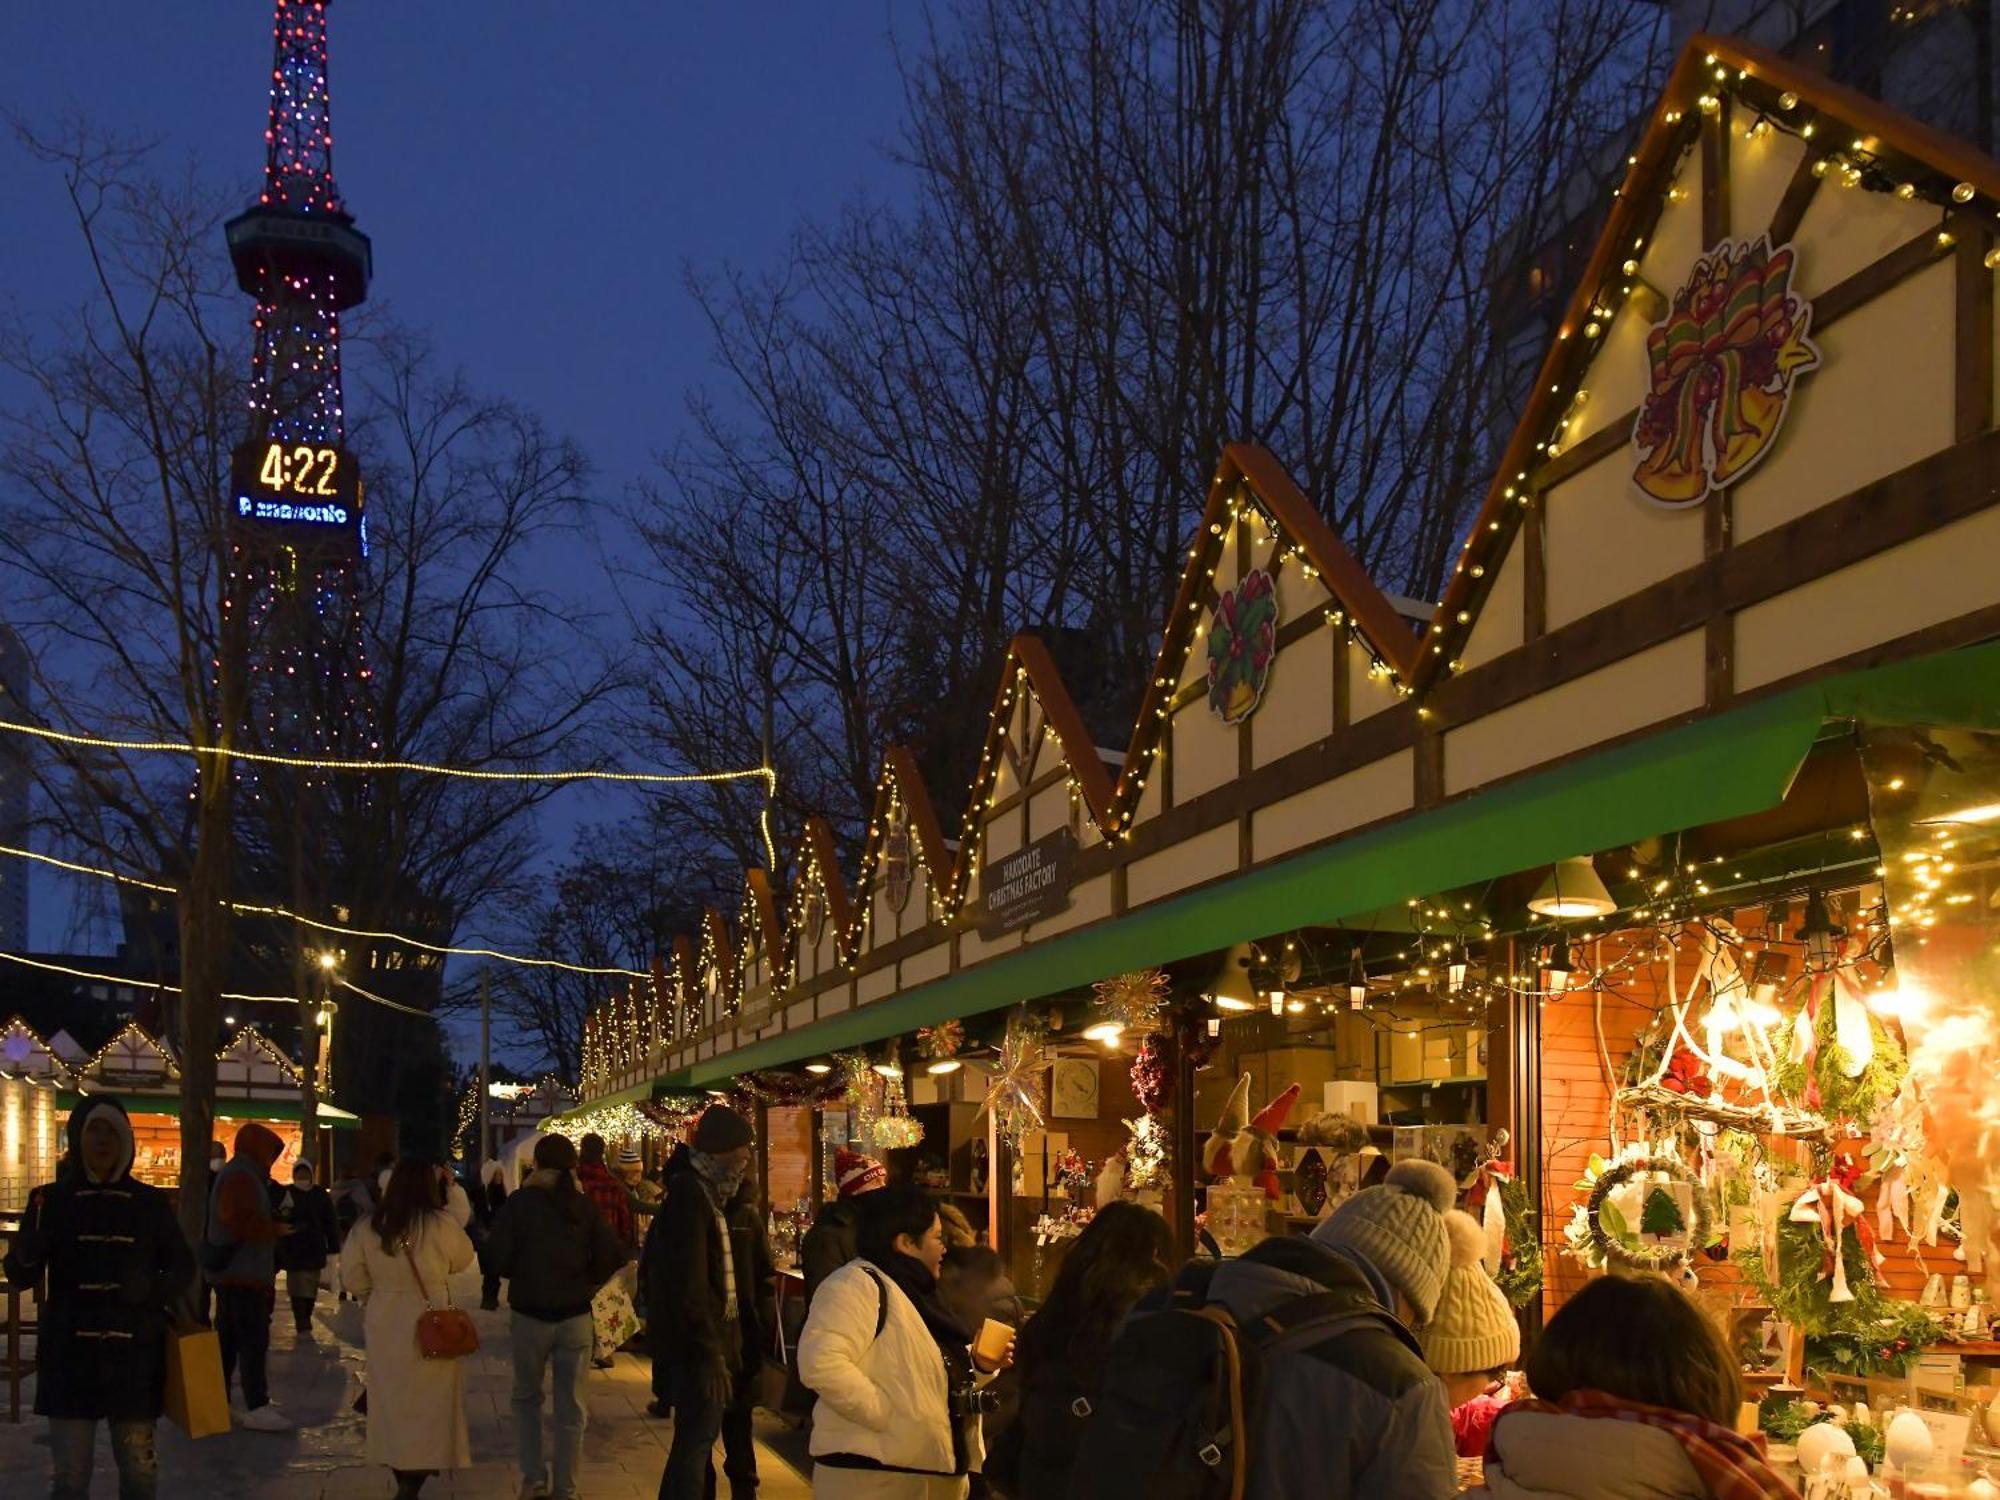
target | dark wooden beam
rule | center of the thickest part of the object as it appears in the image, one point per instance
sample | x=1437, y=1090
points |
x=1715, y=175
x=1534, y=571
x=1797, y=198
x=1972, y=363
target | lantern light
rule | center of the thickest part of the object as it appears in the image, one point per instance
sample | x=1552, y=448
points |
x=1573, y=890
x=1357, y=981
x=1560, y=965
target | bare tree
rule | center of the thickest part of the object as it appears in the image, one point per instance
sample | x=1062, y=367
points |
x=1138, y=232
x=116, y=546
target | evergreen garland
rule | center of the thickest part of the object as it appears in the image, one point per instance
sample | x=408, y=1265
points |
x=1520, y=1277
x=1870, y=1335
x=1842, y=1098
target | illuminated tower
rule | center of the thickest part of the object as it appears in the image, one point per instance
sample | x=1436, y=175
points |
x=297, y=535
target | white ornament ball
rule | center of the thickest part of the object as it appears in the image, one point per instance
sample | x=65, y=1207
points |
x=1982, y=1488
x=1907, y=1443
x=1823, y=1441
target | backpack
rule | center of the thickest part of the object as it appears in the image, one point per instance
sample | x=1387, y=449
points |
x=1176, y=1411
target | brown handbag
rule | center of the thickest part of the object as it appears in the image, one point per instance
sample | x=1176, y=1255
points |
x=442, y=1332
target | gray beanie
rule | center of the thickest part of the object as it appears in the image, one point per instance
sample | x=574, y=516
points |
x=1397, y=1227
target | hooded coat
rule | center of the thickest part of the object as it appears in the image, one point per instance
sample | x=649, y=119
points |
x=116, y=1261
x=239, y=1211
x=1357, y=1415
x=687, y=1305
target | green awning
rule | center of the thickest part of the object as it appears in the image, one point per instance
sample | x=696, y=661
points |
x=633, y=1095
x=1728, y=766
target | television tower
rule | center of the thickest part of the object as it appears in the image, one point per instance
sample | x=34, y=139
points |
x=297, y=527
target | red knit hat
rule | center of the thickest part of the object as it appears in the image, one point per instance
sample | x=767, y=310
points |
x=854, y=1173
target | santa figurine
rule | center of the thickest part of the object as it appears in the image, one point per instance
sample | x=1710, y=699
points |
x=1246, y=1146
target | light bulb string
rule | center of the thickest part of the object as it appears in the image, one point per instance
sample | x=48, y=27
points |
x=767, y=774
x=248, y=909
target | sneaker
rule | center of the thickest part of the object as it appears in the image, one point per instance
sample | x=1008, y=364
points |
x=267, y=1418
x=533, y=1489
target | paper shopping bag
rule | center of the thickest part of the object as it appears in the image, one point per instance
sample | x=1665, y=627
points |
x=197, y=1400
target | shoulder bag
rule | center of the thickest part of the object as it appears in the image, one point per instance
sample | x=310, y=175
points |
x=442, y=1332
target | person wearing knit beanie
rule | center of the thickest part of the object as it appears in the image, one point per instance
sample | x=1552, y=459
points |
x=1472, y=1338
x=721, y=1130
x=1395, y=1233
x=854, y=1173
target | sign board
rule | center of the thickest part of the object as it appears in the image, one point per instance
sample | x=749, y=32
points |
x=1027, y=885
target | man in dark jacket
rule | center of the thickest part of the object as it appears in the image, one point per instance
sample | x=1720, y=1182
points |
x=757, y=1317
x=555, y=1250
x=241, y=1223
x=116, y=1263
x=692, y=1294
x=485, y=1210
x=315, y=1238
x=1357, y=1414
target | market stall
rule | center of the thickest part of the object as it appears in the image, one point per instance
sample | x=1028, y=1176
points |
x=1644, y=882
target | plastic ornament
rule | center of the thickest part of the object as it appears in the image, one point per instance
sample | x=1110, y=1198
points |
x=1824, y=1441
x=1907, y=1444
x=1982, y=1488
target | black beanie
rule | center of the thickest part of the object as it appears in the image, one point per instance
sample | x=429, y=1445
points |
x=721, y=1129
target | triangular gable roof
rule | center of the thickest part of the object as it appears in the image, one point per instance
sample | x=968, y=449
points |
x=1028, y=659
x=716, y=949
x=758, y=927
x=682, y=995
x=23, y=1053
x=135, y=1048
x=1853, y=128
x=899, y=769
x=817, y=853
x=1371, y=618
x=249, y=1049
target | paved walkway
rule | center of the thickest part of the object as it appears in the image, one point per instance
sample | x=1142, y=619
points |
x=316, y=1381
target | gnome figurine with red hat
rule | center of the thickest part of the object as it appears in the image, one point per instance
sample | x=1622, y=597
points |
x=1246, y=1146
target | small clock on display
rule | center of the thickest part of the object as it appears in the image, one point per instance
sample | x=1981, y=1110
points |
x=296, y=485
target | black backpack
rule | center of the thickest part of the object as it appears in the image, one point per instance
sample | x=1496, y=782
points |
x=1176, y=1411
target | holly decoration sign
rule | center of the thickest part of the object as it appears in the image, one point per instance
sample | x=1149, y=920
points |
x=1242, y=644
x=1721, y=367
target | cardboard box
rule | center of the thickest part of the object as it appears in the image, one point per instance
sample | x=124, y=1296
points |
x=1406, y=1057
x=1361, y=1100
x=1311, y=1068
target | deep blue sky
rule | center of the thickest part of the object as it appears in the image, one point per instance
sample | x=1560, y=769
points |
x=534, y=176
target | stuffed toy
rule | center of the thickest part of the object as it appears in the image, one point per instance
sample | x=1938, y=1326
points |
x=1246, y=1146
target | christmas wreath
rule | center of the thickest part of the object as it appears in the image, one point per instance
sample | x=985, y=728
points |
x=1660, y=1215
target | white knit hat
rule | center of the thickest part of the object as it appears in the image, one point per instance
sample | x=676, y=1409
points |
x=1473, y=1328
x=1397, y=1227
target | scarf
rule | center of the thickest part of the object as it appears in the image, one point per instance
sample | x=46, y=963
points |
x=1730, y=1466
x=719, y=1184
x=914, y=1280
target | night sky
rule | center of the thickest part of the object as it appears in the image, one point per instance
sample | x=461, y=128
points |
x=534, y=177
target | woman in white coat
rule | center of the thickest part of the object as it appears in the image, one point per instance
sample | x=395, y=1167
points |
x=897, y=1383
x=416, y=1406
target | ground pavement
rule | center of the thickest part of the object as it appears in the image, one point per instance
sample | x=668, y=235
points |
x=316, y=1382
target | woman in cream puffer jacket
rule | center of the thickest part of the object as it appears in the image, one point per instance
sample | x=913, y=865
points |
x=882, y=1397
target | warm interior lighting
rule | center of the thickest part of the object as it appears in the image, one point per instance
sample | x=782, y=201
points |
x=889, y=1070
x=1573, y=890
x=1455, y=971
x=1985, y=812
x=819, y=1069
x=1560, y=966
x=1357, y=982
x=1276, y=999
x=1230, y=1002
x=1105, y=1032
x=944, y=1065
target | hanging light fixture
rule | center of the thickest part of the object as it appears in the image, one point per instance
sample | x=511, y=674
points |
x=1232, y=989
x=819, y=1069
x=1357, y=981
x=1455, y=970
x=1276, y=999
x=944, y=1065
x=1106, y=1033
x=1560, y=966
x=1214, y=1027
x=1820, y=933
x=1573, y=890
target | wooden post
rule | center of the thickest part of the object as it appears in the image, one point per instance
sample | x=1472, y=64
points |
x=1523, y=1062
x=761, y=1122
x=1183, y=1140
x=817, y=1149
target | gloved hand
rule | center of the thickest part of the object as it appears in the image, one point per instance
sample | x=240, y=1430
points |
x=717, y=1388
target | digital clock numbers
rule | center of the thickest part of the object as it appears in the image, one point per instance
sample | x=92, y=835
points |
x=296, y=485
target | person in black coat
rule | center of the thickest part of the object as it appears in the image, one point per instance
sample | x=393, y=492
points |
x=757, y=1314
x=485, y=1211
x=315, y=1238
x=117, y=1265
x=687, y=1266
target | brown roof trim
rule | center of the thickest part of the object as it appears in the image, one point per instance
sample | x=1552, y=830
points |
x=1654, y=161
x=760, y=905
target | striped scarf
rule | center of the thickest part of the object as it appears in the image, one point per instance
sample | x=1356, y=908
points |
x=1730, y=1465
x=719, y=1184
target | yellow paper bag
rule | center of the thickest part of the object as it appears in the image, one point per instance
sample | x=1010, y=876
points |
x=197, y=1400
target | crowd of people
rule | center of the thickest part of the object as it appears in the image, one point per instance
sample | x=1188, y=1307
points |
x=1376, y=1350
